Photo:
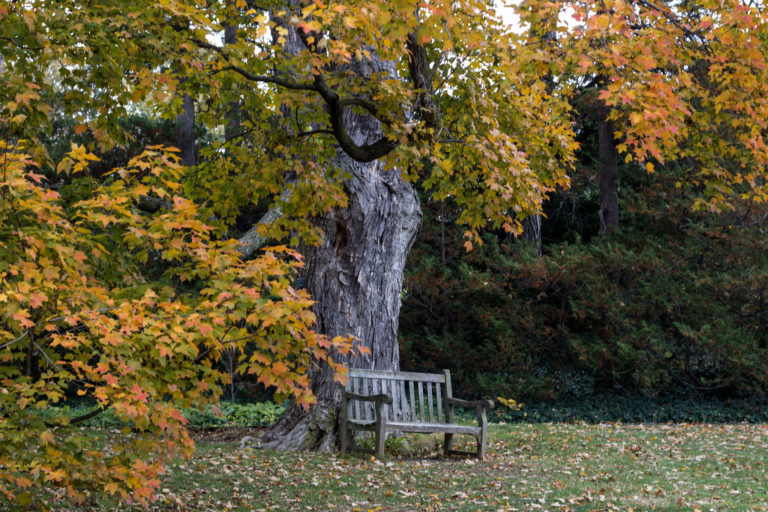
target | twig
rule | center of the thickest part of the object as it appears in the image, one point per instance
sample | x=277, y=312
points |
x=83, y=417
x=26, y=333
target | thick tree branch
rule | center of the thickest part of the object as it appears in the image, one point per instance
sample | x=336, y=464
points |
x=21, y=46
x=336, y=106
x=252, y=241
x=421, y=77
x=153, y=204
x=366, y=153
x=270, y=79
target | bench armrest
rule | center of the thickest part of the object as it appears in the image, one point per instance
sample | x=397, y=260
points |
x=369, y=398
x=486, y=404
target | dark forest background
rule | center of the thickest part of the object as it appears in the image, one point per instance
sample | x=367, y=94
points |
x=661, y=318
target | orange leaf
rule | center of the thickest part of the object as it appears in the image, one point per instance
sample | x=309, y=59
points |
x=22, y=317
x=36, y=299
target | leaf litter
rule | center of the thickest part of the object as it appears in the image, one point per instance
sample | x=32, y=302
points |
x=547, y=467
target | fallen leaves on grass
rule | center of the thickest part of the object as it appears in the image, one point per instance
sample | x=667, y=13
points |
x=529, y=467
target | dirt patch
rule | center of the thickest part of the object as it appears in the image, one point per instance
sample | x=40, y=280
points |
x=232, y=434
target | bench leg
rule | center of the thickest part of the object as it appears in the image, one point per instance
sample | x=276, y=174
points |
x=481, y=447
x=481, y=439
x=447, y=443
x=381, y=438
x=346, y=438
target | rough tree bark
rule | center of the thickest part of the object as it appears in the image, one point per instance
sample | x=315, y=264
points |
x=609, y=176
x=356, y=277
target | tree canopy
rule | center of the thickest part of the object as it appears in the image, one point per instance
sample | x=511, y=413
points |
x=131, y=308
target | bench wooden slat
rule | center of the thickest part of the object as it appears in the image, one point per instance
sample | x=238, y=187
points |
x=404, y=397
x=393, y=392
x=356, y=390
x=425, y=428
x=413, y=401
x=429, y=403
x=372, y=407
x=372, y=391
x=421, y=401
x=438, y=396
x=386, y=374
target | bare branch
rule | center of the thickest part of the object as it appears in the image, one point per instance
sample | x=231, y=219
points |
x=26, y=333
x=367, y=105
x=40, y=349
x=366, y=153
x=82, y=417
x=21, y=46
x=270, y=79
x=314, y=132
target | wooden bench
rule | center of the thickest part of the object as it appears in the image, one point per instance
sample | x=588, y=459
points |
x=385, y=401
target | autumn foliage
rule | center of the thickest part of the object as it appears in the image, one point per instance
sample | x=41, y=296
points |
x=81, y=316
x=681, y=82
x=131, y=309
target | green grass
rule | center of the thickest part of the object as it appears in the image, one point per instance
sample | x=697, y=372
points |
x=569, y=467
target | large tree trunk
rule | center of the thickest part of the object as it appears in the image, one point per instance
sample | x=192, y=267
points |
x=609, y=176
x=356, y=277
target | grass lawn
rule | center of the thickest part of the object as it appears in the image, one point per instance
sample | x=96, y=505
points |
x=552, y=467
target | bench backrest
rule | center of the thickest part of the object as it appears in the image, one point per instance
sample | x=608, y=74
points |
x=416, y=397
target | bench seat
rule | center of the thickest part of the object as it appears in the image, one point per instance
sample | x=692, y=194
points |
x=385, y=401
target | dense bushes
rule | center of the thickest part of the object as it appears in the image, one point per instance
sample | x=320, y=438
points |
x=681, y=407
x=674, y=300
x=259, y=414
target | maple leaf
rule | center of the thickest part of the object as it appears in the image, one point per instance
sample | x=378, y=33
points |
x=139, y=393
x=36, y=299
x=22, y=316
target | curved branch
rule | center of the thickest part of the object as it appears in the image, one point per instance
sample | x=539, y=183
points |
x=367, y=105
x=270, y=79
x=252, y=240
x=336, y=106
x=82, y=417
x=366, y=153
x=26, y=333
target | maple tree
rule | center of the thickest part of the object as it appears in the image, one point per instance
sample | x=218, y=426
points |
x=330, y=113
x=104, y=301
x=81, y=316
x=676, y=82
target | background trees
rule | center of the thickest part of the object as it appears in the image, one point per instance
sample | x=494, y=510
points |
x=652, y=307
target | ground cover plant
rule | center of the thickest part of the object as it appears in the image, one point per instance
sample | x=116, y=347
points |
x=530, y=466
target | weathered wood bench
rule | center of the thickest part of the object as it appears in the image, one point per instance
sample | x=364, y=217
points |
x=384, y=401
